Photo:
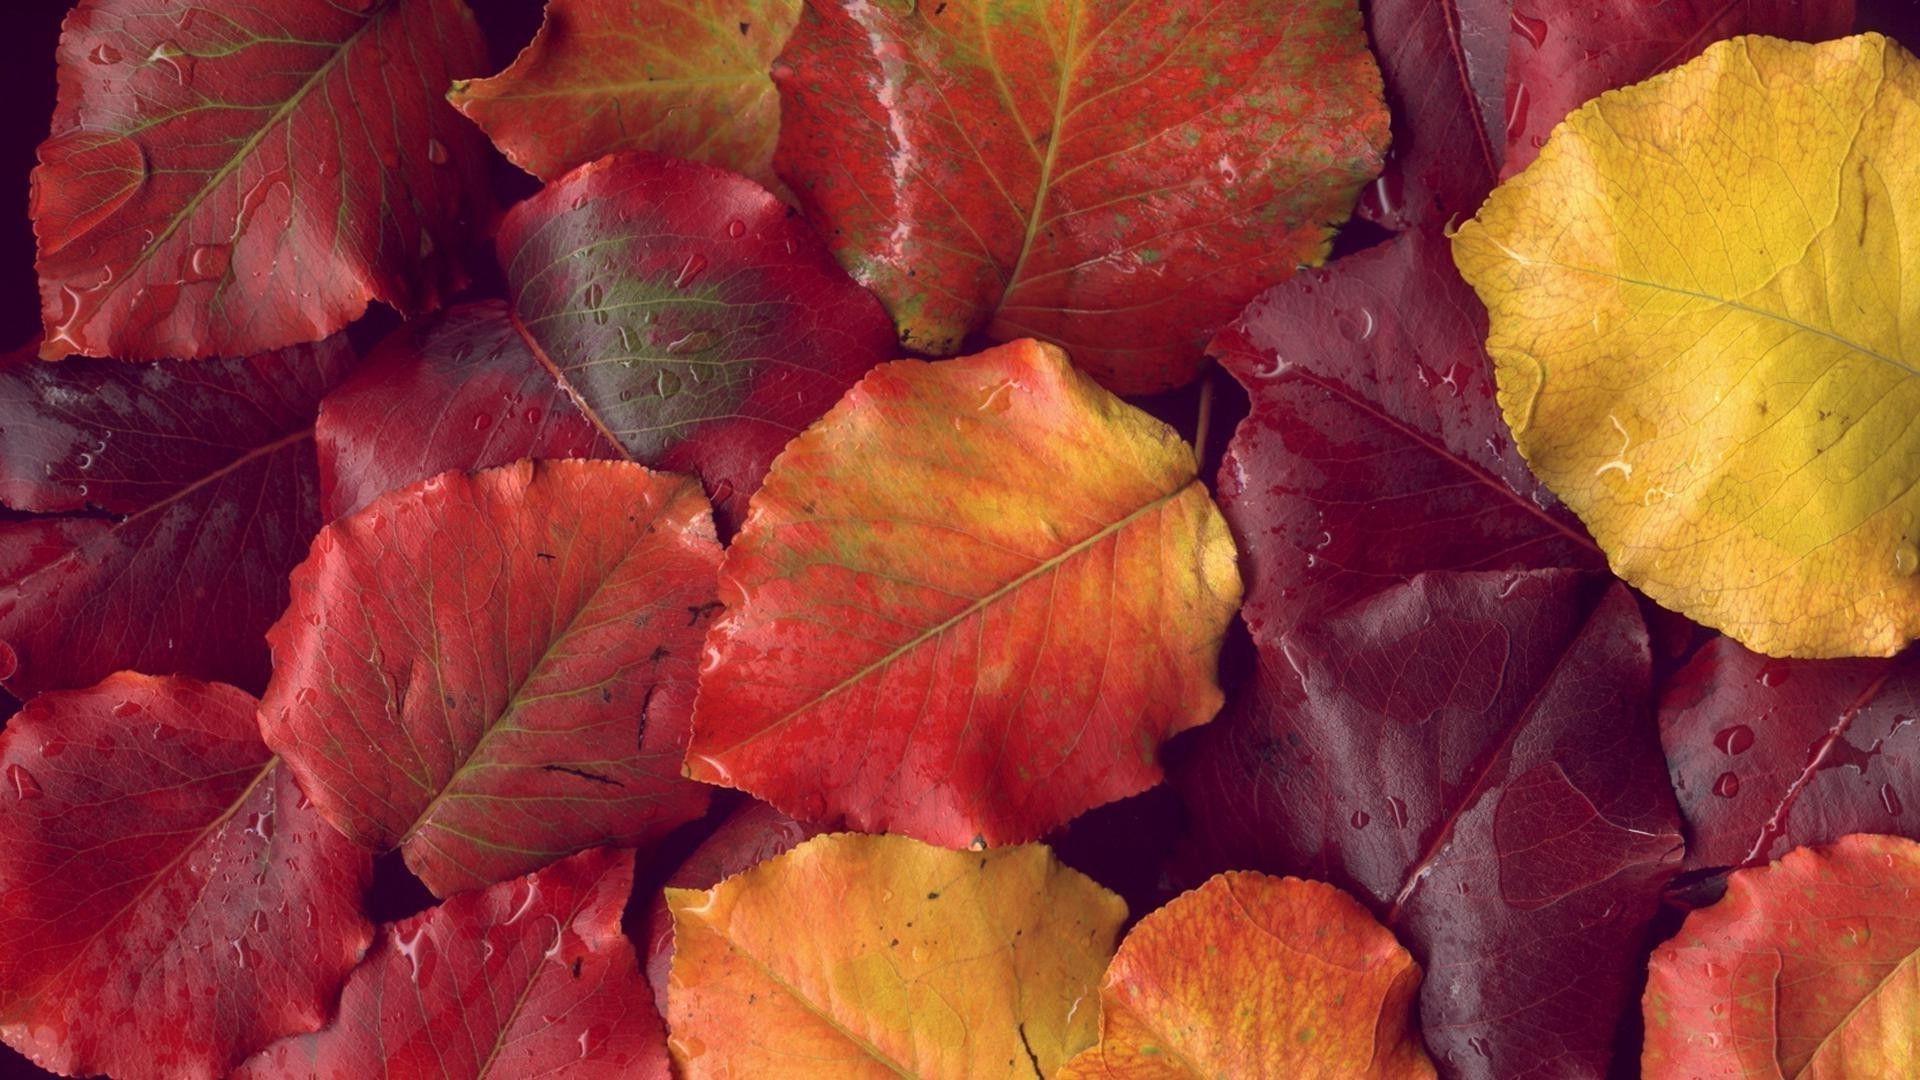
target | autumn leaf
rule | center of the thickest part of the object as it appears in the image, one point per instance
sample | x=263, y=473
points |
x=172, y=498
x=918, y=962
x=1565, y=52
x=1698, y=339
x=969, y=602
x=1469, y=754
x=493, y=671
x=530, y=977
x=1374, y=449
x=169, y=903
x=1118, y=179
x=1804, y=969
x=1251, y=975
x=1768, y=755
x=227, y=177
x=602, y=76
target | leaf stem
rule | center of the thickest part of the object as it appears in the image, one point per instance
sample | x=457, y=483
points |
x=1206, y=416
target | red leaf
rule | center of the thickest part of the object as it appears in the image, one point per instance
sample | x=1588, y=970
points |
x=1375, y=449
x=687, y=314
x=492, y=671
x=1445, y=64
x=531, y=977
x=1118, y=179
x=1472, y=754
x=168, y=901
x=202, y=481
x=232, y=177
x=1769, y=755
x=1564, y=52
x=454, y=391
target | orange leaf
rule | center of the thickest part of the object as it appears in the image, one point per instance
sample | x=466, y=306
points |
x=1251, y=975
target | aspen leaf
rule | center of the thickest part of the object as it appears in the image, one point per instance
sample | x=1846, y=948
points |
x=1702, y=344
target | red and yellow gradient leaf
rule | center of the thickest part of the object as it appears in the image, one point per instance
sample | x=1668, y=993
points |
x=169, y=903
x=914, y=961
x=1116, y=177
x=687, y=79
x=528, y=978
x=968, y=604
x=1251, y=975
x=492, y=671
x=1806, y=968
x=226, y=177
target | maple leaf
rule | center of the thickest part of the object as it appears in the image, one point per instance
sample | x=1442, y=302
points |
x=603, y=76
x=1251, y=975
x=227, y=177
x=169, y=903
x=969, y=602
x=173, y=500
x=530, y=977
x=494, y=670
x=919, y=962
x=1804, y=969
x=1118, y=180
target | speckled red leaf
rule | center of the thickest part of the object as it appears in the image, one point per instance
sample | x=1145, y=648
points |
x=1445, y=65
x=528, y=978
x=458, y=390
x=1473, y=754
x=1375, y=449
x=168, y=902
x=1116, y=177
x=1564, y=52
x=968, y=604
x=177, y=497
x=1768, y=755
x=491, y=671
x=225, y=177
x=750, y=835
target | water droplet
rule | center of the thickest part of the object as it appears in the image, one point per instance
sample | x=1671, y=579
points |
x=736, y=228
x=178, y=62
x=531, y=416
x=126, y=709
x=1773, y=673
x=1517, y=111
x=696, y=265
x=1359, y=819
x=1906, y=560
x=1727, y=786
x=482, y=422
x=1397, y=812
x=666, y=383
x=692, y=342
x=208, y=261
x=24, y=785
x=1734, y=740
x=104, y=53
x=1534, y=30
x=1358, y=326
x=1890, y=799
x=436, y=152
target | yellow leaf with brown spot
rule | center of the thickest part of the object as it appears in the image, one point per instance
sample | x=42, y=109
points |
x=878, y=956
x=1251, y=975
x=1705, y=334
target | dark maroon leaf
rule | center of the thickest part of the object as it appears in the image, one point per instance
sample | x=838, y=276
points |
x=185, y=494
x=1375, y=449
x=1770, y=755
x=1473, y=755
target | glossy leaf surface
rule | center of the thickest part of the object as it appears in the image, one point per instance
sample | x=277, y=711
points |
x=1805, y=969
x=919, y=962
x=528, y=978
x=1117, y=178
x=491, y=671
x=1701, y=344
x=685, y=79
x=176, y=497
x=226, y=177
x=1473, y=756
x=1374, y=449
x=168, y=901
x=1768, y=755
x=970, y=602
x=1251, y=975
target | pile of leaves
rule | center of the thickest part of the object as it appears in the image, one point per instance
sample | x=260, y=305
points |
x=708, y=549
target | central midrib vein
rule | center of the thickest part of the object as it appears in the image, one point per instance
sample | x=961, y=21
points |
x=1037, y=211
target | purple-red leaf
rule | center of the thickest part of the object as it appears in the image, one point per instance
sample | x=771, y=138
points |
x=184, y=493
x=529, y=978
x=1375, y=449
x=227, y=177
x=492, y=671
x=1769, y=755
x=169, y=903
x=1474, y=756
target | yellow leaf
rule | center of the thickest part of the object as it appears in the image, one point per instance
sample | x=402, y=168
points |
x=1703, y=324
x=879, y=956
x=1251, y=975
